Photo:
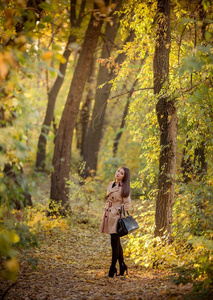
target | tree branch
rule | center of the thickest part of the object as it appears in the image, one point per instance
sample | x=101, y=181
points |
x=183, y=92
x=131, y=92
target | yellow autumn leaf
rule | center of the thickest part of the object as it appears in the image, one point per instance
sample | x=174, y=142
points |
x=12, y=264
x=14, y=238
x=61, y=58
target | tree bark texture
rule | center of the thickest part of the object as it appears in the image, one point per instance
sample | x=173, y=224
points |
x=52, y=96
x=91, y=145
x=167, y=120
x=63, y=142
x=85, y=111
x=94, y=134
x=186, y=164
x=200, y=162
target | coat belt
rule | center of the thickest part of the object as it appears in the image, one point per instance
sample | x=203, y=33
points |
x=110, y=204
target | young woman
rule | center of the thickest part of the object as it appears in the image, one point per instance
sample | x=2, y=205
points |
x=118, y=194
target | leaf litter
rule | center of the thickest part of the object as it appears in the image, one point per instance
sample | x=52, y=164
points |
x=73, y=263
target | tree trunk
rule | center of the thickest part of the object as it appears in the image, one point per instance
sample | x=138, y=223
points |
x=167, y=119
x=94, y=134
x=118, y=136
x=39, y=71
x=42, y=141
x=85, y=111
x=200, y=161
x=63, y=142
x=186, y=164
x=52, y=96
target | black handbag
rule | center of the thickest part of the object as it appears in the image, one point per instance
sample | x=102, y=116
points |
x=126, y=224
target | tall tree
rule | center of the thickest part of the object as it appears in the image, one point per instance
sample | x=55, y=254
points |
x=167, y=120
x=53, y=93
x=62, y=152
x=94, y=135
x=84, y=114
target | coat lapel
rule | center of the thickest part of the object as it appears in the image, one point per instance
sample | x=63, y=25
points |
x=110, y=189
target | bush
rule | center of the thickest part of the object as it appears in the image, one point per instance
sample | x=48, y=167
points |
x=191, y=254
x=14, y=235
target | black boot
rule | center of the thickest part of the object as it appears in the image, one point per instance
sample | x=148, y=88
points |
x=112, y=271
x=123, y=268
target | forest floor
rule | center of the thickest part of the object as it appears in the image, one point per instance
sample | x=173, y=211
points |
x=73, y=262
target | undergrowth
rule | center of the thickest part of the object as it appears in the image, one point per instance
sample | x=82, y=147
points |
x=190, y=255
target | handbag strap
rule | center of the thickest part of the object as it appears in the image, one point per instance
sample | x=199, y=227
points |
x=122, y=210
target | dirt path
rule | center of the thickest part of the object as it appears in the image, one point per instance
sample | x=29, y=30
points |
x=73, y=263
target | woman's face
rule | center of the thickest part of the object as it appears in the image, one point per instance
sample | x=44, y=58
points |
x=119, y=174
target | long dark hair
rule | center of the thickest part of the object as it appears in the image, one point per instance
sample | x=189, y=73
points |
x=125, y=182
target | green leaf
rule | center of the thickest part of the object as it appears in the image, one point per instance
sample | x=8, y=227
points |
x=207, y=35
x=41, y=26
x=186, y=21
x=198, y=96
x=47, y=19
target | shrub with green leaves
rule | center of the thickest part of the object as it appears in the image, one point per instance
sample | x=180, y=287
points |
x=14, y=235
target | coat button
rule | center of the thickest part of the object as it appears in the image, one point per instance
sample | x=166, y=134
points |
x=110, y=210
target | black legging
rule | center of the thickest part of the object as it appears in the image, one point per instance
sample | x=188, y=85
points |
x=117, y=251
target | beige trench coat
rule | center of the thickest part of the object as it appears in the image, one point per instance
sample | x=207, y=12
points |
x=113, y=204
